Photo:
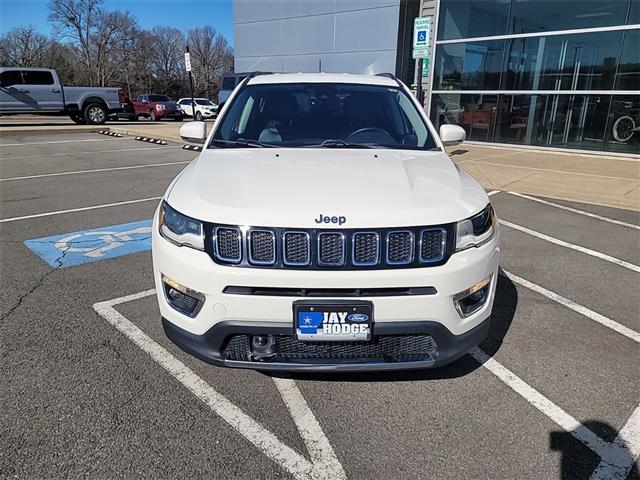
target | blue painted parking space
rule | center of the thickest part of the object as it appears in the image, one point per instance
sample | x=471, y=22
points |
x=86, y=246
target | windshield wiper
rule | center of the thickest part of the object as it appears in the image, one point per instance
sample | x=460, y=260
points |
x=242, y=142
x=338, y=143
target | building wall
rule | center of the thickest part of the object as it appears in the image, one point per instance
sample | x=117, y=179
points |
x=353, y=36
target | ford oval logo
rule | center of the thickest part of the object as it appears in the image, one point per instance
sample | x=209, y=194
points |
x=358, y=317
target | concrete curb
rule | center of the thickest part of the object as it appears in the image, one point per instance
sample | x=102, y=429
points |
x=155, y=135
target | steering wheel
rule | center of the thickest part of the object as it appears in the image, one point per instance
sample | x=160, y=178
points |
x=370, y=135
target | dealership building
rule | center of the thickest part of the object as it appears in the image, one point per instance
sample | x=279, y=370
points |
x=548, y=73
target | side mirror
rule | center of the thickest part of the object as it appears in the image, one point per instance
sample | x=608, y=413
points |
x=452, y=134
x=194, y=132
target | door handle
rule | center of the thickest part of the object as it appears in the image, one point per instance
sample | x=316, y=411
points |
x=23, y=90
x=55, y=90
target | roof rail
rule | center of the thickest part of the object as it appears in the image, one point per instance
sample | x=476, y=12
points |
x=246, y=79
x=391, y=76
x=255, y=74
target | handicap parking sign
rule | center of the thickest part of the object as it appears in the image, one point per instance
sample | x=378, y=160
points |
x=86, y=246
x=422, y=36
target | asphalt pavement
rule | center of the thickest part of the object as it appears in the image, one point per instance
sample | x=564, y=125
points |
x=90, y=386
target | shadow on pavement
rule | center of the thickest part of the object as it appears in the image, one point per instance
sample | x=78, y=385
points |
x=574, y=462
x=504, y=309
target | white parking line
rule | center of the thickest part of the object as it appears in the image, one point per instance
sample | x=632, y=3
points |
x=628, y=442
x=81, y=209
x=108, y=139
x=320, y=450
x=92, y=152
x=595, y=316
x=542, y=403
x=109, y=169
x=616, y=457
x=577, y=248
x=493, y=192
x=323, y=464
x=575, y=210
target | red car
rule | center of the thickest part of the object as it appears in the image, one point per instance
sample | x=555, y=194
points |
x=157, y=107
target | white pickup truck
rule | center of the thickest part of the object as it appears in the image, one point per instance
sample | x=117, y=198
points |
x=39, y=91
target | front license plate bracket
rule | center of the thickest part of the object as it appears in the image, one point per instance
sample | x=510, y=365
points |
x=333, y=320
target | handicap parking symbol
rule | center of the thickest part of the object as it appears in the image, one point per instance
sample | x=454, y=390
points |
x=88, y=246
x=422, y=35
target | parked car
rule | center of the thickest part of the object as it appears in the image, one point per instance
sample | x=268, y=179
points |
x=324, y=227
x=157, y=107
x=204, y=108
x=39, y=91
x=229, y=82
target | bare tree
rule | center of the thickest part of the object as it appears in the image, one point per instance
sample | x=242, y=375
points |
x=167, y=53
x=114, y=42
x=24, y=47
x=210, y=54
x=76, y=21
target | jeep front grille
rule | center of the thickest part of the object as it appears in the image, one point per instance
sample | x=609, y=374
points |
x=319, y=249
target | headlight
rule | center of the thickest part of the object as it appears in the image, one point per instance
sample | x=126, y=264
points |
x=476, y=230
x=159, y=107
x=180, y=229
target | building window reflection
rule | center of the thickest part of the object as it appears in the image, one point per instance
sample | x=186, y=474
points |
x=539, y=83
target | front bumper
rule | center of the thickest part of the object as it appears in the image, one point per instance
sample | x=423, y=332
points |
x=226, y=314
x=209, y=347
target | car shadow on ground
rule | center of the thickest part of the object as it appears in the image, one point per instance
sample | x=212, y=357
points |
x=574, y=463
x=504, y=309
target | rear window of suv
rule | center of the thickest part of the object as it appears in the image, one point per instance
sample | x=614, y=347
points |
x=324, y=114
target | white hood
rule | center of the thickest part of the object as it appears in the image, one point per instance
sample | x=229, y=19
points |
x=292, y=187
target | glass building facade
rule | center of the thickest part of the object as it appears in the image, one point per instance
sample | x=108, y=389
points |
x=554, y=73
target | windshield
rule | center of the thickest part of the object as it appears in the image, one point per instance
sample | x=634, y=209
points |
x=159, y=98
x=323, y=114
x=203, y=101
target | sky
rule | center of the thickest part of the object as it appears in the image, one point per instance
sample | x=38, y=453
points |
x=180, y=14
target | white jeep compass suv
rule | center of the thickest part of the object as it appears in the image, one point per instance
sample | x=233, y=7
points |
x=323, y=227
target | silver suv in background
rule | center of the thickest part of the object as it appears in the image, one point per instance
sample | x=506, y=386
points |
x=39, y=91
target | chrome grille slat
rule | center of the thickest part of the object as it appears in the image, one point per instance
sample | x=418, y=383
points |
x=262, y=247
x=228, y=244
x=400, y=247
x=432, y=244
x=296, y=248
x=331, y=246
x=365, y=248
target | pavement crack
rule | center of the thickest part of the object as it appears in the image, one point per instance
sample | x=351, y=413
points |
x=37, y=285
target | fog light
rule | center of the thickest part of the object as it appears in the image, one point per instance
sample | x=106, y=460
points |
x=472, y=299
x=181, y=298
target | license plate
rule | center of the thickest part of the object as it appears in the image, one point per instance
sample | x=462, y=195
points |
x=333, y=321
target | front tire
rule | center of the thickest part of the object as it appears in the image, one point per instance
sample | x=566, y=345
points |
x=95, y=114
x=153, y=116
x=198, y=117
